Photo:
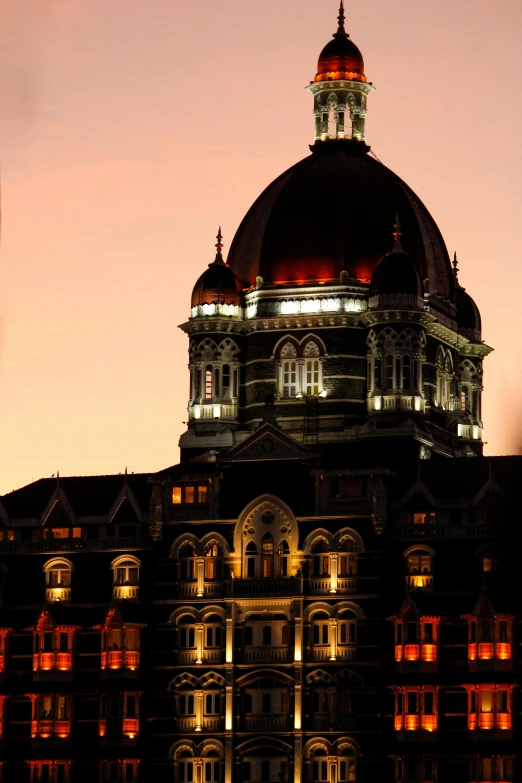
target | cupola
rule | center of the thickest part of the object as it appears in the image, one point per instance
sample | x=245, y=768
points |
x=218, y=285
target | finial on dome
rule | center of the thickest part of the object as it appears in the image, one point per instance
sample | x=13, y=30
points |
x=397, y=234
x=219, y=247
x=341, y=32
x=455, y=267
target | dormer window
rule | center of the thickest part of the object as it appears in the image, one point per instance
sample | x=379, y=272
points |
x=61, y=532
x=58, y=575
x=125, y=571
x=189, y=494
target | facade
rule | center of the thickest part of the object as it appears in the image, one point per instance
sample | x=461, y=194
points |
x=326, y=588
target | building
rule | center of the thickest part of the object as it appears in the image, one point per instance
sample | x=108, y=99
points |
x=326, y=588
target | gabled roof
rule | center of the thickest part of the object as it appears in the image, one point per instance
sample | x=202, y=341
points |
x=269, y=443
x=84, y=495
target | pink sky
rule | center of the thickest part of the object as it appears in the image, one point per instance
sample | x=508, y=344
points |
x=132, y=128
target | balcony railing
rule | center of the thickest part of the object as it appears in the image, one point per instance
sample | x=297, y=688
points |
x=126, y=591
x=268, y=655
x=54, y=594
x=48, y=727
x=267, y=723
x=48, y=661
x=190, y=589
x=210, y=723
x=131, y=727
x=246, y=588
x=120, y=659
x=191, y=656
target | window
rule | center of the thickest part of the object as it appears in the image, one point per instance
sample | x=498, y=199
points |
x=416, y=708
x=125, y=574
x=416, y=640
x=320, y=559
x=267, y=560
x=58, y=580
x=388, y=372
x=208, y=382
x=50, y=771
x=489, y=707
x=330, y=768
x=120, y=644
x=289, y=379
x=406, y=372
x=213, y=703
x=190, y=494
x=321, y=629
x=213, y=556
x=51, y=716
x=213, y=631
x=186, y=704
x=490, y=638
x=424, y=518
x=251, y=556
x=52, y=645
x=61, y=532
x=226, y=382
x=311, y=378
x=187, y=562
x=283, y=552
x=346, y=629
x=187, y=633
x=419, y=564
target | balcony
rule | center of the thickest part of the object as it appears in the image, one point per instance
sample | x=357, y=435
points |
x=323, y=585
x=190, y=589
x=267, y=655
x=54, y=594
x=419, y=582
x=50, y=661
x=190, y=657
x=250, y=588
x=210, y=723
x=324, y=653
x=126, y=591
x=120, y=659
x=131, y=727
x=47, y=727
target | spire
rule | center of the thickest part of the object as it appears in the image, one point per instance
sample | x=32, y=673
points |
x=455, y=268
x=397, y=234
x=341, y=32
x=219, y=247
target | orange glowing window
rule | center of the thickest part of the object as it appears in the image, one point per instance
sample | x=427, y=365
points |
x=176, y=495
x=120, y=644
x=53, y=645
x=415, y=708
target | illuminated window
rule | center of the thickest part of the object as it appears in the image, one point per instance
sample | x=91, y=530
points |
x=120, y=713
x=190, y=494
x=120, y=644
x=425, y=518
x=208, y=382
x=289, y=379
x=125, y=571
x=53, y=645
x=213, y=556
x=490, y=638
x=347, y=559
x=58, y=574
x=283, y=552
x=202, y=493
x=416, y=639
x=7, y=535
x=489, y=707
x=176, y=495
x=312, y=370
x=419, y=569
x=267, y=559
x=51, y=715
x=416, y=708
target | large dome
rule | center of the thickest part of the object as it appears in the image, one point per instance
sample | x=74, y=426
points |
x=331, y=212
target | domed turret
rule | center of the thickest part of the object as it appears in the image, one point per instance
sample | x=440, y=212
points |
x=218, y=284
x=469, y=322
x=340, y=58
x=396, y=281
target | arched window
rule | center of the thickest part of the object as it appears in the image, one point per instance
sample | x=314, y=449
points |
x=347, y=557
x=251, y=557
x=212, y=766
x=227, y=391
x=213, y=631
x=125, y=574
x=321, y=629
x=213, y=555
x=187, y=561
x=186, y=772
x=312, y=370
x=445, y=377
x=187, y=633
x=283, y=552
x=406, y=372
x=320, y=559
x=58, y=574
x=346, y=629
x=419, y=567
x=268, y=555
x=289, y=370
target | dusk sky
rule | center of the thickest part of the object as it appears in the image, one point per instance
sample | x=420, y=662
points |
x=131, y=129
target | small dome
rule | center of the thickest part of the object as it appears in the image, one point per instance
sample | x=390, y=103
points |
x=340, y=58
x=218, y=284
x=396, y=280
x=468, y=316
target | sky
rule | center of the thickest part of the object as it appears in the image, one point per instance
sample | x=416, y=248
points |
x=131, y=129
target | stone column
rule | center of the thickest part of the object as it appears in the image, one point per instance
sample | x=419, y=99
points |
x=333, y=639
x=200, y=630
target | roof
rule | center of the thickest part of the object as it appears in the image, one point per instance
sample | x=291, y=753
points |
x=332, y=212
x=87, y=495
